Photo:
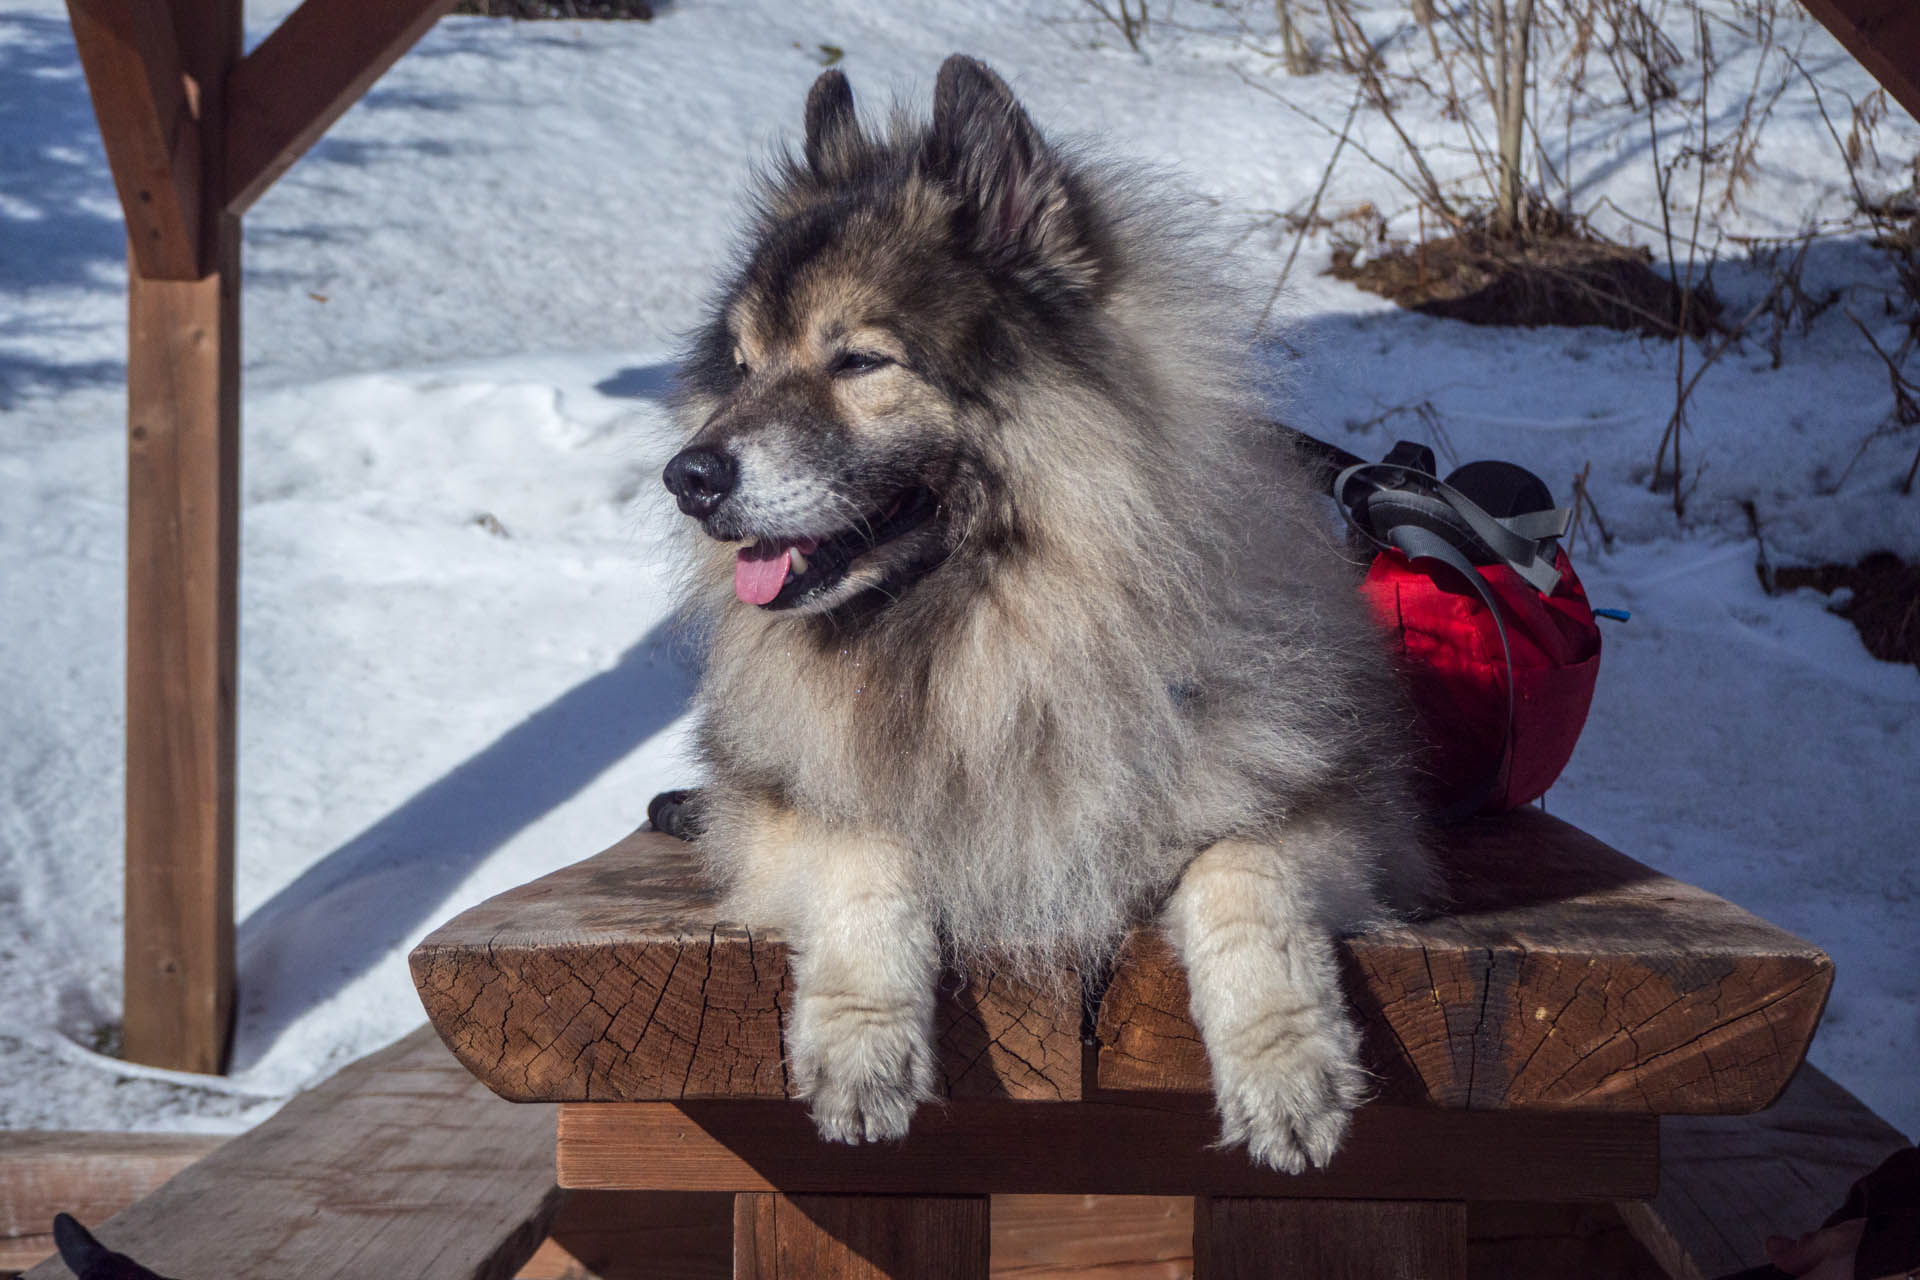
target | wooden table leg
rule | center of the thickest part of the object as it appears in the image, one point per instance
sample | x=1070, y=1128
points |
x=1239, y=1238
x=779, y=1237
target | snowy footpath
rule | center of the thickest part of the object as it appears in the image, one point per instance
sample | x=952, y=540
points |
x=458, y=669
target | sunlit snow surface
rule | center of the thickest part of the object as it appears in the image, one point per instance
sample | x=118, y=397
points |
x=457, y=670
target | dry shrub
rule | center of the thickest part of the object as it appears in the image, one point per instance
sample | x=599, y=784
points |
x=1483, y=279
x=1882, y=601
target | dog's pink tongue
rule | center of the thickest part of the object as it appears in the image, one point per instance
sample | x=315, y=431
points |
x=759, y=570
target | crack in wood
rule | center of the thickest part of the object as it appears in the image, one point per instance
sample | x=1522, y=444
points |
x=700, y=1026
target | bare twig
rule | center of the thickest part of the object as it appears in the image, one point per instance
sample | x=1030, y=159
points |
x=1313, y=209
x=1906, y=396
x=1131, y=20
x=1298, y=53
x=1584, y=506
x=1425, y=196
x=1685, y=392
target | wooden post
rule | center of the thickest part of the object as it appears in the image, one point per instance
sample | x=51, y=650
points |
x=182, y=559
x=1884, y=35
x=183, y=550
x=1250, y=1238
x=778, y=1237
x=157, y=70
x=304, y=76
x=175, y=101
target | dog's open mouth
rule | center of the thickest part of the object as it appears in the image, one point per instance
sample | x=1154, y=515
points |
x=776, y=574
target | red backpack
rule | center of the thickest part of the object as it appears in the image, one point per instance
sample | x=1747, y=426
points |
x=1497, y=642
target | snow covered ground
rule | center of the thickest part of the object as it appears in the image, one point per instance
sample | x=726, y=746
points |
x=457, y=669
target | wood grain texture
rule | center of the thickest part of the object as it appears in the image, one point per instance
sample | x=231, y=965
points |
x=1563, y=974
x=663, y=1235
x=778, y=1237
x=612, y=980
x=89, y=1175
x=1530, y=1240
x=629, y=1235
x=183, y=554
x=1728, y=1182
x=400, y=1165
x=183, y=534
x=971, y=1147
x=318, y=62
x=20, y=1253
x=1236, y=1238
x=1092, y=1237
x=149, y=115
x=1884, y=36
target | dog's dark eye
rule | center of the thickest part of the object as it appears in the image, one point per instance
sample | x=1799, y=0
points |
x=740, y=367
x=855, y=362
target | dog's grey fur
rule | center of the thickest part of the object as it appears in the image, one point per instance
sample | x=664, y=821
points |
x=1121, y=670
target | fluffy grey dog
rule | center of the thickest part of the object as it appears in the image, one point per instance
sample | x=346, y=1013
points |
x=1020, y=633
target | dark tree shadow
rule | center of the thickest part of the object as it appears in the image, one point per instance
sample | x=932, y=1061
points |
x=59, y=217
x=639, y=382
x=354, y=906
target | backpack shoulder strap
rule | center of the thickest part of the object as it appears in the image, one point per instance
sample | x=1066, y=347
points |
x=1379, y=498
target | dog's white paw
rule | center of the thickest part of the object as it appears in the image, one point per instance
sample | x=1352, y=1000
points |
x=862, y=1071
x=1287, y=1083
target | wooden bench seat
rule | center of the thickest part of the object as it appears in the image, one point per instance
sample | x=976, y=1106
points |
x=91, y=1175
x=1565, y=976
x=400, y=1165
x=1728, y=1182
x=1526, y=1043
x=1725, y=1182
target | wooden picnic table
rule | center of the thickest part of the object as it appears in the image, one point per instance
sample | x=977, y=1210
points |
x=1525, y=1044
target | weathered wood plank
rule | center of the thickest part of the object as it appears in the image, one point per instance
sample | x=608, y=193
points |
x=777, y=1237
x=612, y=980
x=1092, y=1237
x=665, y=1235
x=1884, y=35
x=1236, y=1238
x=148, y=111
x=1528, y=1240
x=18, y=1253
x=90, y=1175
x=318, y=62
x=183, y=536
x=400, y=1165
x=969, y=1147
x=632, y=1235
x=1728, y=1182
x=1563, y=974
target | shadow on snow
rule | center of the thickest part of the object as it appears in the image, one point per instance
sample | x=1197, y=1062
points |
x=345, y=913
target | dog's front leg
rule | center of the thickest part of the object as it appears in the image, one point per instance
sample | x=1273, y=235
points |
x=1265, y=991
x=865, y=966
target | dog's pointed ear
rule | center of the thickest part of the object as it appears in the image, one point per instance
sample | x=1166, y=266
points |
x=835, y=144
x=984, y=146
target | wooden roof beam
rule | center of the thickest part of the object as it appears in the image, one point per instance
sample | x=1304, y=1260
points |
x=149, y=112
x=1884, y=37
x=304, y=76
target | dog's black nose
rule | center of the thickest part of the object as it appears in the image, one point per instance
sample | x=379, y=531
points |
x=700, y=478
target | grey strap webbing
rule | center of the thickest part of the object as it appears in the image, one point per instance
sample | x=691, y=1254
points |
x=1523, y=542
